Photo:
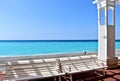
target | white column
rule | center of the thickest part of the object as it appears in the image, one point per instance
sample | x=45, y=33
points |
x=106, y=34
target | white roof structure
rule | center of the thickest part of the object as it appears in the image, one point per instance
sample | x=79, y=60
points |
x=99, y=1
x=101, y=4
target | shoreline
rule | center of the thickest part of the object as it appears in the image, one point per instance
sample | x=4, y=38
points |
x=46, y=56
x=56, y=55
x=117, y=51
x=49, y=54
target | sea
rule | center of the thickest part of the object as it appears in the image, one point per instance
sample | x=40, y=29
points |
x=46, y=47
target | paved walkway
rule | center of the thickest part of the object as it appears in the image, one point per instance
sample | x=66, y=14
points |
x=1, y=76
x=111, y=75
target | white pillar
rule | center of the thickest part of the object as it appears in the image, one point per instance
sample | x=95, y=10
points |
x=106, y=32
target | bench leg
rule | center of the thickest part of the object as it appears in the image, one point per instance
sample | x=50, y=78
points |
x=104, y=73
x=60, y=78
x=71, y=78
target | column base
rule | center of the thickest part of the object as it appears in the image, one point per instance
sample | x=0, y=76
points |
x=112, y=62
x=2, y=75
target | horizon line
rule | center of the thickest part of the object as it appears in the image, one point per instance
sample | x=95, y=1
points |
x=51, y=40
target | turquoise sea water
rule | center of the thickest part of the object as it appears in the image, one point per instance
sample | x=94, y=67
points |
x=21, y=48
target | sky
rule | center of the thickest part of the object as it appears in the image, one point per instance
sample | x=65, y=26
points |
x=50, y=20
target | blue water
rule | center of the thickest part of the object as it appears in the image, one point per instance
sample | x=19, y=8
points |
x=24, y=48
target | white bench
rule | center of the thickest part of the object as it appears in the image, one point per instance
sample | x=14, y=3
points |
x=43, y=68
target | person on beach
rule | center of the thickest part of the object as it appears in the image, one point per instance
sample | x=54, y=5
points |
x=85, y=52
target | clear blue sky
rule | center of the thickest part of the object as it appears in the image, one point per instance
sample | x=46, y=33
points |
x=50, y=20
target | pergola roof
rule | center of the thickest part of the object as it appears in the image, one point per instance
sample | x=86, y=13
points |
x=99, y=1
